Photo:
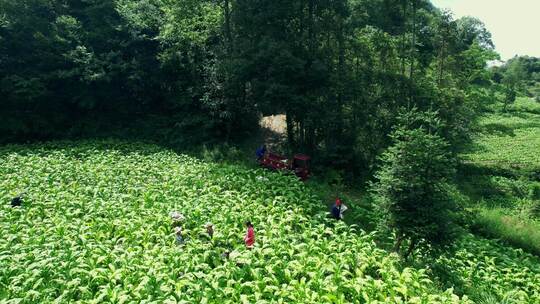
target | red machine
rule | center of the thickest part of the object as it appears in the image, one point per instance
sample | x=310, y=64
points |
x=299, y=164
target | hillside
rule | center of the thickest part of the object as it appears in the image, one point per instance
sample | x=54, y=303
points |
x=509, y=141
x=95, y=227
x=127, y=166
x=502, y=176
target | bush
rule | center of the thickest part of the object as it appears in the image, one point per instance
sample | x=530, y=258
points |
x=412, y=189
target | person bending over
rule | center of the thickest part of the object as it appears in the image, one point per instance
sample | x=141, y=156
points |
x=249, y=238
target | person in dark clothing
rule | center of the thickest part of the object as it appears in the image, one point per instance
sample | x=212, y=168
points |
x=210, y=230
x=261, y=152
x=338, y=209
x=16, y=202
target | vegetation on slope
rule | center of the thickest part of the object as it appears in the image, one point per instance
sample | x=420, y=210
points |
x=503, y=175
x=509, y=141
x=522, y=74
x=95, y=227
x=489, y=272
x=192, y=71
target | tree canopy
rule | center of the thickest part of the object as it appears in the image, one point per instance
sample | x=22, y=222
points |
x=521, y=74
x=187, y=71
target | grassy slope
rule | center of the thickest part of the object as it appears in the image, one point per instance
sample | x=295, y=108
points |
x=506, y=176
x=510, y=140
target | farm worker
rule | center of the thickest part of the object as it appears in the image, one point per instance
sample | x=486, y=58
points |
x=177, y=218
x=16, y=202
x=179, y=237
x=261, y=152
x=210, y=229
x=338, y=209
x=249, y=239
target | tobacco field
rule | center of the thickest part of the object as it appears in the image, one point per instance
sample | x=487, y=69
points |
x=95, y=227
x=509, y=141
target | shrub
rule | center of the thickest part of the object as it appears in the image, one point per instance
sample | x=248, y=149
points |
x=412, y=189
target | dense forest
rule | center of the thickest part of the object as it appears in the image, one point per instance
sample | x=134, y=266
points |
x=192, y=71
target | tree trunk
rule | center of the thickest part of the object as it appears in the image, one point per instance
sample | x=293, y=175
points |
x=310, y=138
x=399, y=240
x=228, y=56
x=413, y=50
x=228, y=29
x=412, y=246
x=311, y=30
x=341, y=78
x=290, y=130
x=228, y=131
x=442, y=55
x=302, y=130
x=309, y=126
x=403, y=35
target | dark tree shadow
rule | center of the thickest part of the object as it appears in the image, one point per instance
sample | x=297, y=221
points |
x=497, y=129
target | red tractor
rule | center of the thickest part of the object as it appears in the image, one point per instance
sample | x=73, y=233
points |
x=299, y=164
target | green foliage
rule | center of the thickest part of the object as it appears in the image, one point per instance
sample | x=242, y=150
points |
x=412, y=188
x=521, y=73
x=89, y=68
x=490, y=272
x=509, y=141
x=95, y=227
x=187, y=71
x=509, y=96
x=473, y=30
x=526, y=105
x=517, y=230
x=506, y=187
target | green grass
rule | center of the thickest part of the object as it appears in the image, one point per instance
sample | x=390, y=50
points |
x=509, y=141
x=513, y=229
x=525, y=104
x=505, y=182
x=500, y=191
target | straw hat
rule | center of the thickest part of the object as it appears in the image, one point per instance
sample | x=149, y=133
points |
x=177, y=216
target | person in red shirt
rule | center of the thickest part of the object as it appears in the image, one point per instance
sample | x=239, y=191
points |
x=249, y=239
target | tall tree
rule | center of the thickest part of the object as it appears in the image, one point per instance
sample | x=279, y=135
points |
x=411, y=185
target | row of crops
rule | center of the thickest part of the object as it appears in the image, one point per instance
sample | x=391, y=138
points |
x=506, y=191
x=510, y=141
x=95, y=228
x=494, y=273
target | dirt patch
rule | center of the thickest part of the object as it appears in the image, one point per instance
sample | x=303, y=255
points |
x=274, y=130
x=275, y=123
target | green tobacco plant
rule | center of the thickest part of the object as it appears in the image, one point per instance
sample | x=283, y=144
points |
x=98, y=229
